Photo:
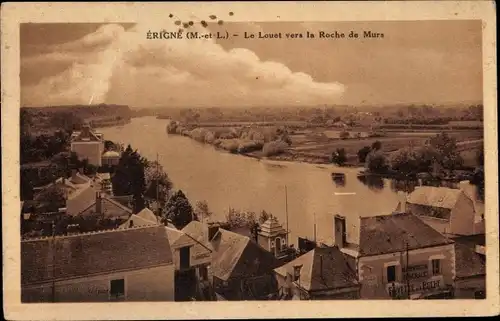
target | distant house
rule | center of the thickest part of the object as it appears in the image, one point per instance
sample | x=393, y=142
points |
x=320, y=274
x=143, y=218
x=105, y=207
x=470, y=258
x=390, y=252
x=447, y=210
x=240, y=268
x=88, y=144
x=117, y=265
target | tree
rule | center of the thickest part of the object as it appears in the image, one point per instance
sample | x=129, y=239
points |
x=202, y=210
x=51, y=198
x=158, y=184
x=178, y=210
x=264, y=216
x=376, y=162
x=129, y=178
x=377, y=145
x=26, y=186
x=235, y=219
x=404, y=161
x=425, y=157
x=447, y=152
x=339, y=156
x=480, y=157
x=363, y=153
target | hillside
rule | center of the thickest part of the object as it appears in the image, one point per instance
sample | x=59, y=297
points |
x=48, y=119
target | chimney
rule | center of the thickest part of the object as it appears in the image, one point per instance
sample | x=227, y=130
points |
x=98, y=203
x=131, y=224
x=73, y=173
x=339, y=231
x=402, y=202
x=212, y=230
x=85, y=130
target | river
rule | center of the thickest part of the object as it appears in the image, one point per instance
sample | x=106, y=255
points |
x=226, y=180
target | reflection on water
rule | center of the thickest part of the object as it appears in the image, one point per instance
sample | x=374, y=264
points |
x=339, y=181
x=407, y=186
x=373, y=182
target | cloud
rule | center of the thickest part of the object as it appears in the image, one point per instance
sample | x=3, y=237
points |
x=114, y=65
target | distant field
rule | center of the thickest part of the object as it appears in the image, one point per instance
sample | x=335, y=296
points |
x=315, y=142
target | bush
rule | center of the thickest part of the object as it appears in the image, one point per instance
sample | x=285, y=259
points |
x=339, y=156
x=344, y=135
x=274, y=148
x=249, y=146
x=363, y=153
x=376, y=162
x=405, y=161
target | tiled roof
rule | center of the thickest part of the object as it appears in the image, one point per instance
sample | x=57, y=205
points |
x=271, y=227
x=173, y=234
x=236, y=256
x=233, y=255
x=87, y=134
x=467, y=262
x=93, y=253
x=143, y=218
x=79, y=179
x=322, y=268
x=109, y=208
x=435, y=196
x=388, y=234
x=198, y=231
x=81, y=199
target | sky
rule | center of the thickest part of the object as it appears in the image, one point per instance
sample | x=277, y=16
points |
x=432, y=62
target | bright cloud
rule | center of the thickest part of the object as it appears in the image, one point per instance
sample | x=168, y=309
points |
x=114, y=65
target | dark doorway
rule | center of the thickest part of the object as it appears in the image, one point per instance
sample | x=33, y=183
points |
x=184, y=257
x=185, y=285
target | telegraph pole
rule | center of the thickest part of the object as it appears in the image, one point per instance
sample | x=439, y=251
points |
x=157, y=185
x=407, y=267
x=54, y=249
x=286, y=212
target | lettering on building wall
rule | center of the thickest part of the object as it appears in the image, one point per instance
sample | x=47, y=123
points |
x=90, y=289
x=414, y=287
x=416, y=271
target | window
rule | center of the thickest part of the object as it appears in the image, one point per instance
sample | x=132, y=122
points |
x=184, y=257
x=436, y=267
x=391, y=273
x=117, y=289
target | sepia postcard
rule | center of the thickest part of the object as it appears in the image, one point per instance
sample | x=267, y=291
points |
x=227, y=160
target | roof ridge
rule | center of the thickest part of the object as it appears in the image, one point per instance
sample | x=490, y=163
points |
x=123, y=207
x=117, y=229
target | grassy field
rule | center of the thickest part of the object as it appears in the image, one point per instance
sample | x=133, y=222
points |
x=315, y=143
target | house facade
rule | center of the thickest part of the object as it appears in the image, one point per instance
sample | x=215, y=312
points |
x=447, y=210
x=98, y=267
x=88, y=144
x=398, y=256
x=240, y=269
x=192, y=258
x=470, y=282
x=320, y=274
